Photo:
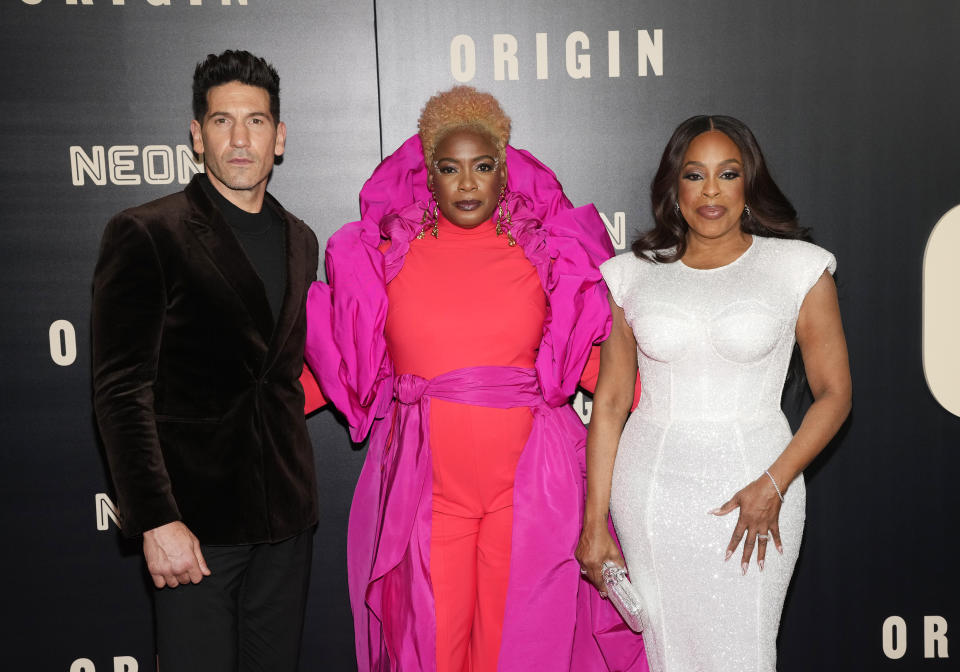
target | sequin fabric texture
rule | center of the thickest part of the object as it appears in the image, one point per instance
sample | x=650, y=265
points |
x=713, y=347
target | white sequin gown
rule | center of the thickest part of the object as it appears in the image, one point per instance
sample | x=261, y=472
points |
x=713, y=350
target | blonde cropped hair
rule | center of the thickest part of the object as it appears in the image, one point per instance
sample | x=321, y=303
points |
x=462, y=107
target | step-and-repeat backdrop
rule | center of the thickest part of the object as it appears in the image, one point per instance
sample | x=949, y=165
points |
x=855, y=104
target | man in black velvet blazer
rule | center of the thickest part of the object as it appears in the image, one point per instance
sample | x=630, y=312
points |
x=198, y=334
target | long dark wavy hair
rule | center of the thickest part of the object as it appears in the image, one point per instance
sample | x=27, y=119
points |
x=771, y=213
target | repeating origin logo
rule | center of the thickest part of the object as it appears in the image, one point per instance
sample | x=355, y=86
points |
x=896, y=643
x=154, y=3
x=120, y=664
x=941, y=312
x=644, y=58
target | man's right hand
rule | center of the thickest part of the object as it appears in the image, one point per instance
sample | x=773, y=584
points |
x=173, y=555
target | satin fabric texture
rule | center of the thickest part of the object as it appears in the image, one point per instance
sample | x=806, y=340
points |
x=554, y=619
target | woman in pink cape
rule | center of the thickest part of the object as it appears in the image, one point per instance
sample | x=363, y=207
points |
x=460, y=314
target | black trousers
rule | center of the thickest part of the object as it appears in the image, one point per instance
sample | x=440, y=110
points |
x=247, y=616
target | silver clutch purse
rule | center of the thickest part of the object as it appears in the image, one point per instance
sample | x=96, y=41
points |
x=624, y=596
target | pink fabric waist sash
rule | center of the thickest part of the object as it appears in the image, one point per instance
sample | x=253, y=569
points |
x=389, y=542
x=389, y=537
x=493, y=386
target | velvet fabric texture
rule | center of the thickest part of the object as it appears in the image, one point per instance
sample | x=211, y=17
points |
x=554, y=620
x=196, y=386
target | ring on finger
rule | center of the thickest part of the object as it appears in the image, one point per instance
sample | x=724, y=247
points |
x=762, y=537
x=603, y=595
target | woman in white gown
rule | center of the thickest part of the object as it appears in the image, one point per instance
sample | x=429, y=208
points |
x=709, y=307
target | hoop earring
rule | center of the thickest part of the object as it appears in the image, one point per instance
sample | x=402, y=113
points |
x=746, y=211
x=503, y=218
x=426, y=214
x=676, y=207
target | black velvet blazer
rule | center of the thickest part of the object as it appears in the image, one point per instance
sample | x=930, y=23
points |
x=196, y=390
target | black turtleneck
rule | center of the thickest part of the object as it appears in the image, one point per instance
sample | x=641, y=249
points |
x=263, y=237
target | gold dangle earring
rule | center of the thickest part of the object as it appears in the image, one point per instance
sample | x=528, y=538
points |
x=423, y=221
x=503, y=217
x=500, y=210
x=426, y=214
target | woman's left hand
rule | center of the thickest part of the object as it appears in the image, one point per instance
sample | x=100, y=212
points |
x=759, y=518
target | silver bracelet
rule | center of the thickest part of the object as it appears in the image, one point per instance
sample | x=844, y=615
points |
x=775, y=486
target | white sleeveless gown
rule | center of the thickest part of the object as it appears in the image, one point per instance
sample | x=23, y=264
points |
x=713, y=351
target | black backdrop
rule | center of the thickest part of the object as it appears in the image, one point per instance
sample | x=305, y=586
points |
x=855, y=103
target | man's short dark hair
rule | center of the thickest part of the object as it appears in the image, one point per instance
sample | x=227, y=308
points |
x=234, y=66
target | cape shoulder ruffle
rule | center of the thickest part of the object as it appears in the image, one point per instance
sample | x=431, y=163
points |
x=553, y=618
x=346, y=348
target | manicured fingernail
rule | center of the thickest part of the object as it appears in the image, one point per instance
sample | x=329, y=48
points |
x=727, y=556
x=760, y=562
x=780, y=549
x=744, y=567
x=715, y=512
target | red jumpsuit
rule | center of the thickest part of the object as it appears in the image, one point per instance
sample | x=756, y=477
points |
x=461, y=300
x=468, y=299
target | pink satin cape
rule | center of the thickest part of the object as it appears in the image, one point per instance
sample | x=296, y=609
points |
x=553, y=619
